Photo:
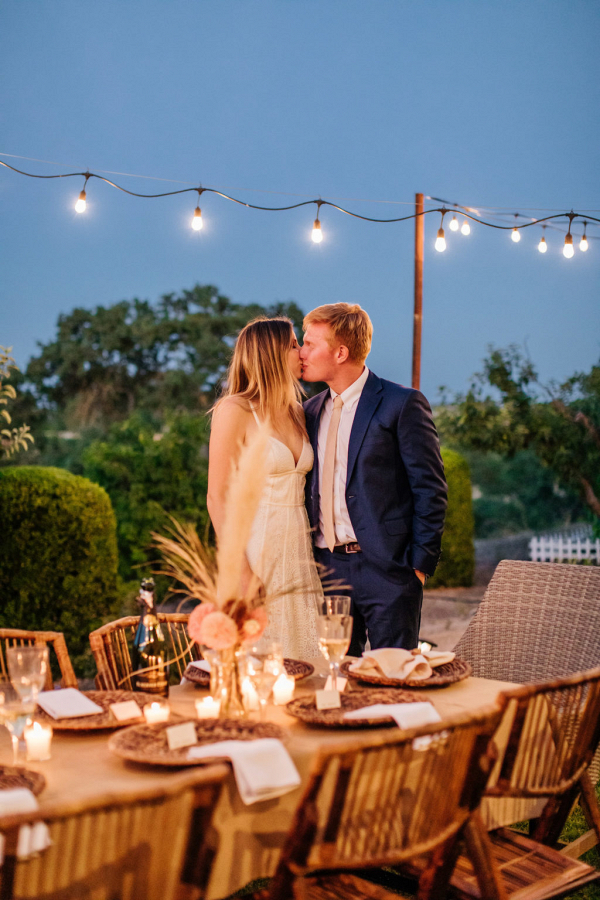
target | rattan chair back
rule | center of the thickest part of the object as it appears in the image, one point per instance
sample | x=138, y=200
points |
x=536, y=621
x=111, y=646
x=144, y=844
x=16, y=637
x=554, y=732
x=366, y=807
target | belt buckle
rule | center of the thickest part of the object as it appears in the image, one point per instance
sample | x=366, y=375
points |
x=353, y=545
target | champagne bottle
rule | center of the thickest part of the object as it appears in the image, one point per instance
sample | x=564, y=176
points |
x=149, y=653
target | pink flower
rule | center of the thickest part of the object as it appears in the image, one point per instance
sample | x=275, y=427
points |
x=254, y=626
x=218, y=631
x=196, y=618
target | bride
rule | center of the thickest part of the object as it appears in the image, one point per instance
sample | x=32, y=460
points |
x=263, y=386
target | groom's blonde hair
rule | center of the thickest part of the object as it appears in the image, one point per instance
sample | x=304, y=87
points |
x=350, y=324
x=259, y=371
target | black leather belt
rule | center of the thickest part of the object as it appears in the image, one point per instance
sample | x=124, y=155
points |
x=350, y=547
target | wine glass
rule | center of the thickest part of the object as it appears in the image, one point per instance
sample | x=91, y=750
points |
x=28, y=668
x=14, y=715
x=263, y=665
x=334, y=627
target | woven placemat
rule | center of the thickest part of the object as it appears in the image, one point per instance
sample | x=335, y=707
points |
x=18, y=777
x=449, y=673
x=305, y=708
x=102, y=721
x=148, y=743
x=297, y=668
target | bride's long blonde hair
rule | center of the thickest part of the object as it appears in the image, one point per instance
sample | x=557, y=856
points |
x=259, y=371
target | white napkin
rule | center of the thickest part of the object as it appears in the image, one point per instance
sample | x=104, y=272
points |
x=393, y=662
x=405, y=715
x=202, y=664
x=263, y=768
x=32, y=838
x=67, y=704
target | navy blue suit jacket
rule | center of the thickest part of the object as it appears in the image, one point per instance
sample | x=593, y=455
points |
x=396, y=492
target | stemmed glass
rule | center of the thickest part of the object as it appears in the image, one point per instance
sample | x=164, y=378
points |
x=28, y=667
x=334, y=626
x=263, y=665
x=14, y=714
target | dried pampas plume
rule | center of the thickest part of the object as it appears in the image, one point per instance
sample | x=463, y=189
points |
x=246, y=486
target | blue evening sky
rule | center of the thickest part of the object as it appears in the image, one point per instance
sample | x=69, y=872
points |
x=488, y=104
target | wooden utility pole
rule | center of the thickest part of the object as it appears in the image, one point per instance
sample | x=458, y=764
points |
x=418, y=311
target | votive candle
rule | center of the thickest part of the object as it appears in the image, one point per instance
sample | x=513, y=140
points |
x=158, y=711
x=38, y=738
x=283, y=689
x=208, y=708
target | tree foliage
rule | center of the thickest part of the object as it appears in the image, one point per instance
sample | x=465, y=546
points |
x=560, y=423
x=457, y=563
x=11, y=439
x=109, y=361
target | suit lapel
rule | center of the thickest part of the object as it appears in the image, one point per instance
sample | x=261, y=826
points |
x=369, y=401
x=313, y=434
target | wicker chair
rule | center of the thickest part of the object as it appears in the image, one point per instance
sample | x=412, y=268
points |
x=537, y=621
x=151, y=844
x=111, y=647
x=16, y=637
x=367, y=807
x=554, y=729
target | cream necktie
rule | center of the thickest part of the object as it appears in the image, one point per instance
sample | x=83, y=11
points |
x=327, y=474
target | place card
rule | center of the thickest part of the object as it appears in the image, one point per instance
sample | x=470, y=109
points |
x=328, y=699
x=341, y=684
x=125, y=710
x=183, y=735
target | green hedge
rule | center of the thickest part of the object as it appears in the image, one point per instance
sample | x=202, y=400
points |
x=58, y=566
x=457, y=564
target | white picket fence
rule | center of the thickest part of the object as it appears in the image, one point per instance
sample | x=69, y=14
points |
x=575, y=546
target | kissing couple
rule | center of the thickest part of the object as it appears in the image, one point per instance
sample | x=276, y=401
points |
x=358, y=467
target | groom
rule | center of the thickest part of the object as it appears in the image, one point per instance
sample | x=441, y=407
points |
x=377, y=494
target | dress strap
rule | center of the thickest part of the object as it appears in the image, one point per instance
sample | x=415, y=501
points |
x=255, y=414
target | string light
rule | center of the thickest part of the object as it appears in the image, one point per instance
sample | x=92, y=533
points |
x=453, y=226
x=440, y=241
x=468, y=213
x=543, y=246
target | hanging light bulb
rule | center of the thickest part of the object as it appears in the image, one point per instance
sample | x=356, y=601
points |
x=568, y=249
x=440, y=241
x=317, y=234
x=197, y=220
x=466, y=228
x=81, y=203
x=516, y=235
x=542, y=246
x=453, y=224
x=583, y=243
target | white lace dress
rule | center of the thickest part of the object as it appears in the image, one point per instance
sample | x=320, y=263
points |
x=280, y=552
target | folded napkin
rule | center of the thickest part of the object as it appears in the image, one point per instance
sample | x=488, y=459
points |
x=32, y=838
x=263, y=768
x=68, y=703
x=393, y=662
x=202, y=664
x=405, y=715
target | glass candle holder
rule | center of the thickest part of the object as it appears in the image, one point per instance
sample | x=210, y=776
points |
x=157, y=711
x=38, y=740
x=208, y=708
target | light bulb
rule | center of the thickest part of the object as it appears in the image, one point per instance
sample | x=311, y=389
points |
x=317, y=234
x=568, y=249
x=466, y=228
x=440, y=241
x=542, y=246
x=516, y=235
x=453, y=224
x=81, y=203
x=583, y=243
x=197, y=220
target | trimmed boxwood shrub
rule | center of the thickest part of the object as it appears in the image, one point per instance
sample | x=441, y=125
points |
x=58, y=564
x=457, y=564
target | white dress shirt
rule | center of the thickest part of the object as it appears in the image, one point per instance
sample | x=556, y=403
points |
x=343, y=526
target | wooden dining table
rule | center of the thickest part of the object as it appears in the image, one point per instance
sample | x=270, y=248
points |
x=247, y=839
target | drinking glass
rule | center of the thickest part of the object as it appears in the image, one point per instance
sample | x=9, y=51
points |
x=263, y=664
x=334, y=626
x=14, y=715
x=28, y=667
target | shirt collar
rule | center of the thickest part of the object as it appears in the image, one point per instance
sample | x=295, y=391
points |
x=352, y=393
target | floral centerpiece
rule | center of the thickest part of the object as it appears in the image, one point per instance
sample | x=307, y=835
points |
x=226, y=617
